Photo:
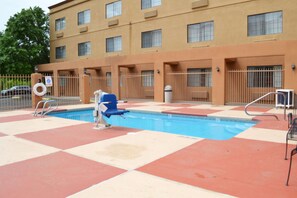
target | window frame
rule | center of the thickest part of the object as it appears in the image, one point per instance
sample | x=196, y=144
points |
x=147, y=78
x=271, y=77
x=86, y=18
x=150, y=3
x=87, y=48
x=115, y=47
x=113, y=4
x=108, y=79
x=151, y=39
x=60, y=55
x=202, y=35
x=265, y=28
x=60, y=24
x=199, y=77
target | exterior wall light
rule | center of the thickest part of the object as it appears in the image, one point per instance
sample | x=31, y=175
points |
x=158, y=71
x=293, y=66
x=218, y=69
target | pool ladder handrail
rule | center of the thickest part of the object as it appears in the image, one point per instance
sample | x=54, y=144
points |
x=260, y=98
x=50, y=108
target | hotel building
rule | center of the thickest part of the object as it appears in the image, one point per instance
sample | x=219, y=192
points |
x=221, y=52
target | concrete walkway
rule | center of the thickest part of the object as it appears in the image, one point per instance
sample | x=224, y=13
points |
x=55, y=157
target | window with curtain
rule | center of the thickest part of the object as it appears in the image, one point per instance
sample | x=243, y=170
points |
x=151, y=39
x=60, y=52
x=113, y=9
x=84, y=17
x=114, y=44
x=265, y=76
x=199, y=77
x=145, y=4
x=108, y=79
x=84, y=49
x=267, y=23
x=200, y=32
x=147, y=78
x=60, y=24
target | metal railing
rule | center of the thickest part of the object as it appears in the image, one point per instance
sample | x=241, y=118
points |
x=243, y=86
x=47, y=107
x=15, y=92
x=194, y=86
x=66, y=92
x=260, y=98
x=137, y=87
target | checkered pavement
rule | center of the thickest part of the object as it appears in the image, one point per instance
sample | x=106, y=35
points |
x=55, y=157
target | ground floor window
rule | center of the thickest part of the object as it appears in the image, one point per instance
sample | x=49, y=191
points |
x=264, y=76
x=108, y=79
x=147, y=78
x=199, y=77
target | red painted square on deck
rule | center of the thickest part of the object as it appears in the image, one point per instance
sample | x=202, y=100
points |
x=17, y=118
x=239, y=167
x=55, y=175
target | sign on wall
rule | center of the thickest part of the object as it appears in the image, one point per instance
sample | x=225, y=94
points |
x=48, y=81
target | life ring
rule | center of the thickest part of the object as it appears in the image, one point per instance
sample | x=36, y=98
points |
x=36, y=92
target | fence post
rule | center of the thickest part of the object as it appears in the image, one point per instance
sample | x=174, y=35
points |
x=86, y=89
x=115, y=87
x=219, y=72
x=34, y=79
x=159, y=78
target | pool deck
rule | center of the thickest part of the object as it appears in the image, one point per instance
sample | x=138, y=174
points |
x=55, y=157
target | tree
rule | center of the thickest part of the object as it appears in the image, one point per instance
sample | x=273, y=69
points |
x=25, y=42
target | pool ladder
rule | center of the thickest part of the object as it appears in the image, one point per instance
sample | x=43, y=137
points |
x=260, y=98
x=50, y=104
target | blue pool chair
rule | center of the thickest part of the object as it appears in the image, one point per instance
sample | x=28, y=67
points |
x=110, y=101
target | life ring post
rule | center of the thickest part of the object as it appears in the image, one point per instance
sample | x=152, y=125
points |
x=35, y=78
x=37, y=87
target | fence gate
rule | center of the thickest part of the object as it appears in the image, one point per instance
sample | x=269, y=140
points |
x=15, y=92
x=244, y=86
x=67, y=90
x=137, y=86
x=191, y=86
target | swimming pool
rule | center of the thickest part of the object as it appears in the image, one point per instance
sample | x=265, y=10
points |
x=203, y=127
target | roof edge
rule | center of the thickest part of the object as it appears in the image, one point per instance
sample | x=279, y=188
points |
x=59, y=4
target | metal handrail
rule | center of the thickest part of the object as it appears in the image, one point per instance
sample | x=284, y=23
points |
x=43, y=112
x=277, y=93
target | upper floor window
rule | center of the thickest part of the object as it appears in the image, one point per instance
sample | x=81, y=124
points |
x=147, y=78
x=151, y=39
x=84, y=17
x=149, y=3
x=84, y=49
x=60, y=52
x=60, y=24
x=200, y=32
x=265, y=76
x=199, y=77
x=114, y=44
x=114, y=9
x=267, y=23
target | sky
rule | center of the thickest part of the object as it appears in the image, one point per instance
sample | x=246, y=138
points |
x=10, y=7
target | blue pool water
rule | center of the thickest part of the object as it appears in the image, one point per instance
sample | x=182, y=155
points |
x=204, y=127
